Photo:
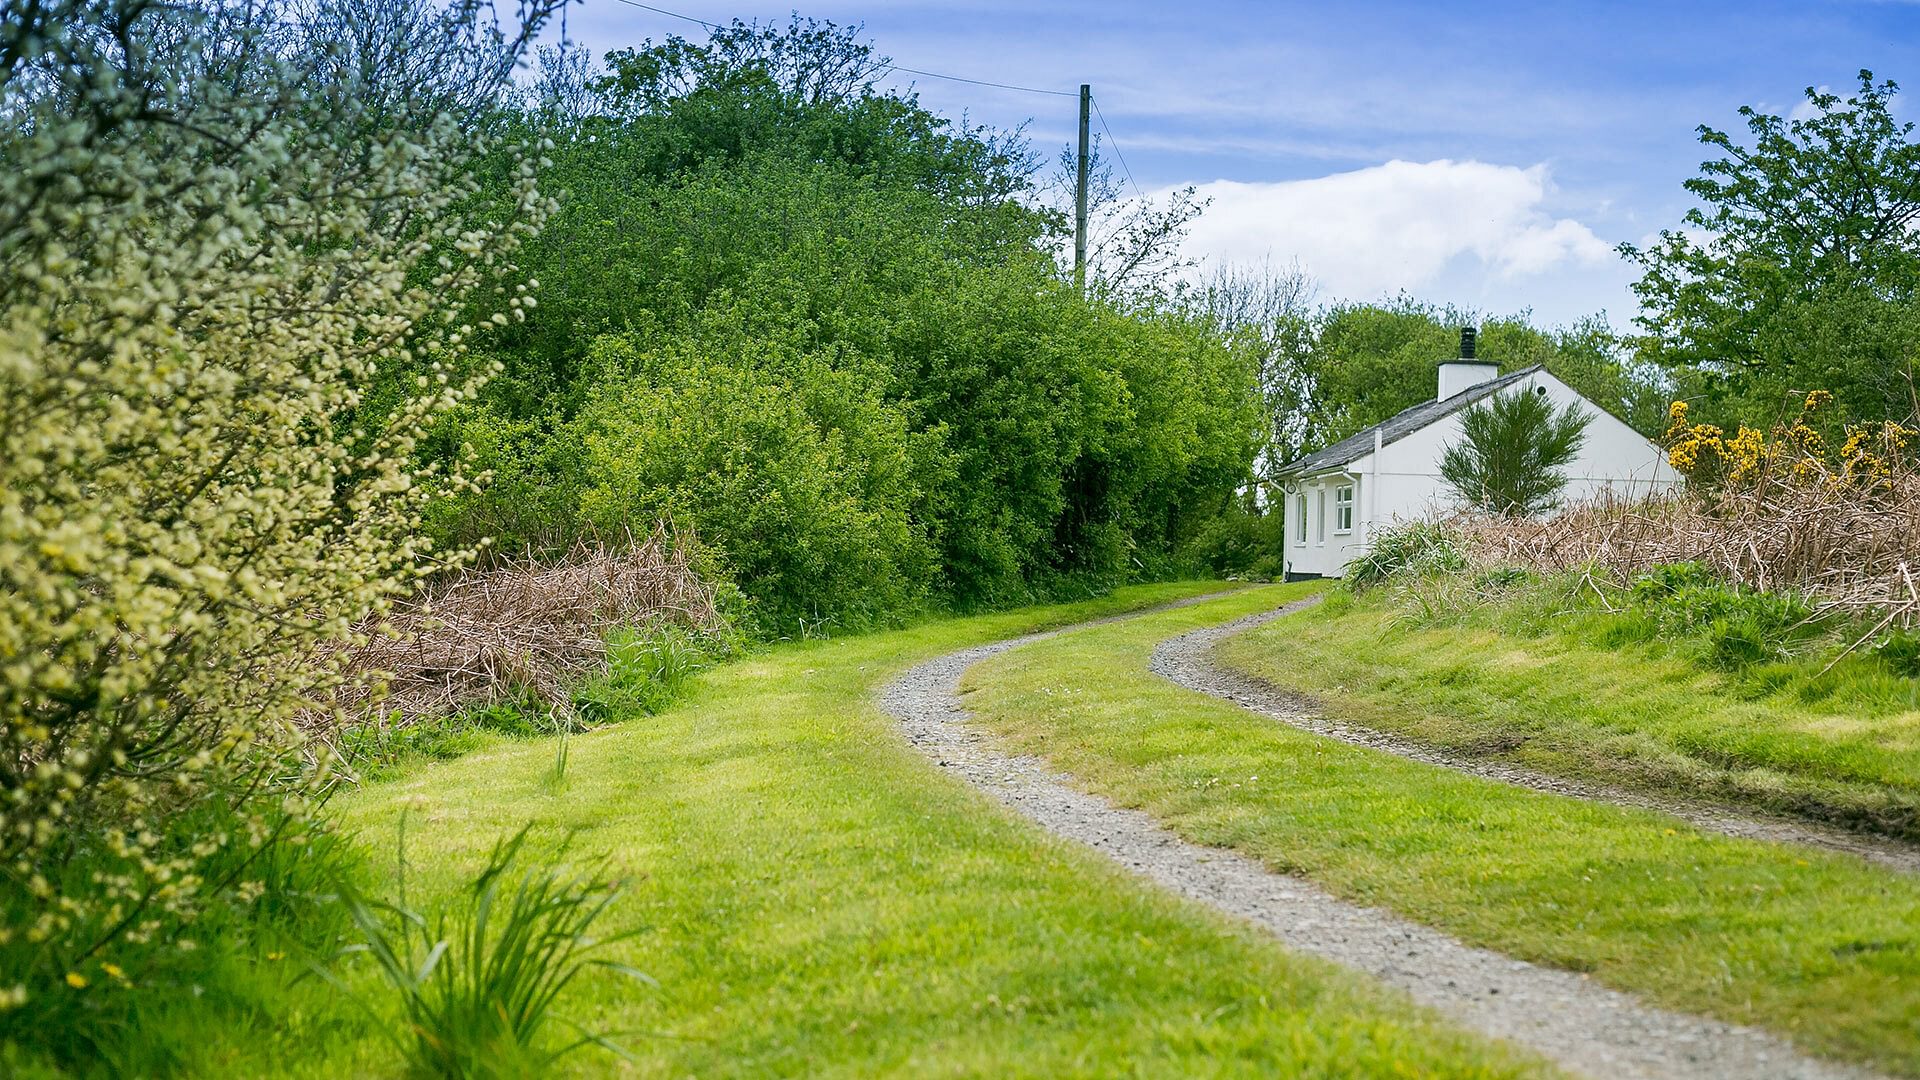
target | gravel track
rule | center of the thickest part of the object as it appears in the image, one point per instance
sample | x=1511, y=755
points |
x=1564, y=1017
x=1189, y=661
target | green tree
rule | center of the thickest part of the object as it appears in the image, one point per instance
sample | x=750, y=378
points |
x=938, y=415
x=1801, y=271
x=1511, y=451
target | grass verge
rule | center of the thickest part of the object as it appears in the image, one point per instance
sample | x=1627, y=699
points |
x=1588, y=693
x=815, y=898
x=1822, y=949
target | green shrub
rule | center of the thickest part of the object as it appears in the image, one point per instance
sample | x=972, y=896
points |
x=1735, y=627
x=477, y=980
x=197, y=502
x=1414, y=547
x=793, y=471
x=1240, y=542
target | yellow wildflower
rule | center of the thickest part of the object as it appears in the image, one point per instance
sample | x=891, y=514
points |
x=76, y=980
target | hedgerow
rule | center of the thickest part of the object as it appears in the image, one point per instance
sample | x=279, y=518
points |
x=217, y=225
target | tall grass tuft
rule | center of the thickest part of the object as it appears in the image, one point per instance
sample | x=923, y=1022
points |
x=1412, y=547
x=478, y=980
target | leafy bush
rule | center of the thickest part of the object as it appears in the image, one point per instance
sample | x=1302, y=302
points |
x=1413, y=547
x=477, y=980
x=1245, y=543
x=197, y=499
x=793, y=471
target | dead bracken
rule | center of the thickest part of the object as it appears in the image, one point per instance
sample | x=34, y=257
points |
x=520, y=628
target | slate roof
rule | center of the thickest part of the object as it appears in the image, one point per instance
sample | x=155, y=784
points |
x=1393, y=429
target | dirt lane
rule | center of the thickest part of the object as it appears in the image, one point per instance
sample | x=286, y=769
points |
x=1563, y=1016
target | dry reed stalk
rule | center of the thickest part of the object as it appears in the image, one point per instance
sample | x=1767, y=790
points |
x=1848, y=547
x=521, y=627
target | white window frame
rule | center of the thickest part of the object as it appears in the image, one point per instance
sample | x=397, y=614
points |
x=1343, y=509
x=1300, y=506
x=1320, y=517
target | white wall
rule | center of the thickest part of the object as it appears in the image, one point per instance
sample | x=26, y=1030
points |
x=1326, y=553
x=1407, y=483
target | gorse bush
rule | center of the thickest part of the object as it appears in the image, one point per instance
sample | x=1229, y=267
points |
x=477, y=980
x=217, y=226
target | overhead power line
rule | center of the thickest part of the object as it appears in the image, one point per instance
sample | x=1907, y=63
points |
x=889, y=67
x=1115, y=143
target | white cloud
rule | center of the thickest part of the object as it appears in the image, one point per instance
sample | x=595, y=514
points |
x=1397, y=226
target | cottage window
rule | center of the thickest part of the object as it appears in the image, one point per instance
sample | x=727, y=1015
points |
x=1300, y=512
x=1343, y=508
x=1320, y=517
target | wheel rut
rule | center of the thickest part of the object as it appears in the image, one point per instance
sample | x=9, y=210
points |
x=1188, y=661
x=1563, y=1016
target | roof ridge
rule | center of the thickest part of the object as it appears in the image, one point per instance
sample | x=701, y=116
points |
x=1357, y=444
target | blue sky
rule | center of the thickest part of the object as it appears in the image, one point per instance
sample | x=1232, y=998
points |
x=1488, y=154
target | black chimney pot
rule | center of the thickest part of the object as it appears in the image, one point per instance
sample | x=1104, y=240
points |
x=1466, y=343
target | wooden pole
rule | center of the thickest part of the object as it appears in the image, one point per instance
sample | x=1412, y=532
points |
x=1080, y=193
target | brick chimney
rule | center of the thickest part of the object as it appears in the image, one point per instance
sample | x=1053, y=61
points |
x=1466, y=372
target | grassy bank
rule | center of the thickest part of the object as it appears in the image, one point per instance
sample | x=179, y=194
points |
x=815, y=898
x=1822, y=949
x=1588, y=693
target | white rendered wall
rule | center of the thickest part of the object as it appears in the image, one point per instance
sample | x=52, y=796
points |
x=1408, y=485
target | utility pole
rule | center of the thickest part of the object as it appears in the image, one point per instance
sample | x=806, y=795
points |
x=1080, y=194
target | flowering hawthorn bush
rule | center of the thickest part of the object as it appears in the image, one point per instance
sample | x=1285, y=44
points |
x=216, y=230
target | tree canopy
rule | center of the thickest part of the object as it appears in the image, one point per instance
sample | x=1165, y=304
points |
x=1800, y=270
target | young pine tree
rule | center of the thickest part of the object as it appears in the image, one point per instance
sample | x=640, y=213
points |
x=1513, y=449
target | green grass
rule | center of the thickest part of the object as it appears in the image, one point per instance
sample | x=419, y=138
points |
x=1823, y=949
x=815, y=898
x=1589, y=694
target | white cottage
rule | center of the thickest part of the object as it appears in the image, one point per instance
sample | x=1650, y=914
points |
x=1336, y=498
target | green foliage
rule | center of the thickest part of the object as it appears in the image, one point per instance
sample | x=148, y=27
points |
x=1243, y=544
x=647, y=670
x=1512, y=449
x=1737, y=627
x=1409, y=548
x=1801, y=270
x=798, y=473
x=477, y=980
x=816, y=325
x=199, y=287
x=136, y=1001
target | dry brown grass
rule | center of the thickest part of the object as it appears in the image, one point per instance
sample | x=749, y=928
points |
x=1850, y=548
x=520, y=628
